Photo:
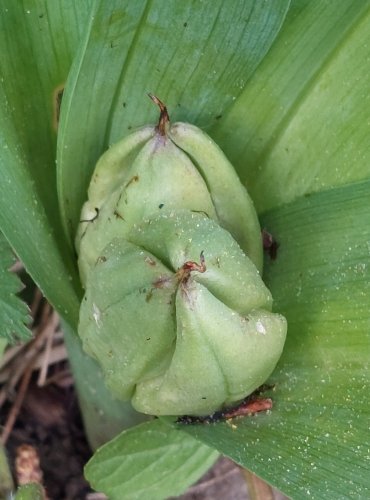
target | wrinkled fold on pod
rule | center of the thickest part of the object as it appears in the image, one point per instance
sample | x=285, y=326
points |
x=161, y=177
x=233, y=205
x=174, y=336
x=220, y=357
x=149, y=171
x=127, y=322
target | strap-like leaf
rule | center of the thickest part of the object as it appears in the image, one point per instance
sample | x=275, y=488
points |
x=195, y=56
x=315, y=442
x=302, y=123
x=37, y=43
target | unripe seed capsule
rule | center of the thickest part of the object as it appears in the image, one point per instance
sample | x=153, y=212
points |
x=175, y=310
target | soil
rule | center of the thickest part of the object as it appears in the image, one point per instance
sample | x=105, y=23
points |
x=50, y=421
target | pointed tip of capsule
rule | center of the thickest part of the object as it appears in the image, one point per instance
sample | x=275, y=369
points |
x=164, y=118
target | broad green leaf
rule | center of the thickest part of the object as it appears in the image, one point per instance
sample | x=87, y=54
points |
x=315, y=442
x=151, y=460
x=37, y=40
x=14, y=314
x=302, y=124
x=196, y=56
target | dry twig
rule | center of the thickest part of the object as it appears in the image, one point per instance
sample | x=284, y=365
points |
x=12, y=417
x=23, y=361
x=47, y=326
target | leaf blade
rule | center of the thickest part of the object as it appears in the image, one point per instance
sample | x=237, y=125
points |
x=319, y=424
x=149, y=460
x=162, y=48
x=29, y=86
x=273, y=133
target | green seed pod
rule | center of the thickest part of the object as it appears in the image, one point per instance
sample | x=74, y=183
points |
x=175, y=337
x=168, y=166
x=170, y=253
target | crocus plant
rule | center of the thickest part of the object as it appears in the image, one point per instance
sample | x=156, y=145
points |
x=279, y=90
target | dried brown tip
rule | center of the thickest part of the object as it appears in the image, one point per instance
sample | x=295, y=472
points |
x=164, y=118
x=184, y=272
